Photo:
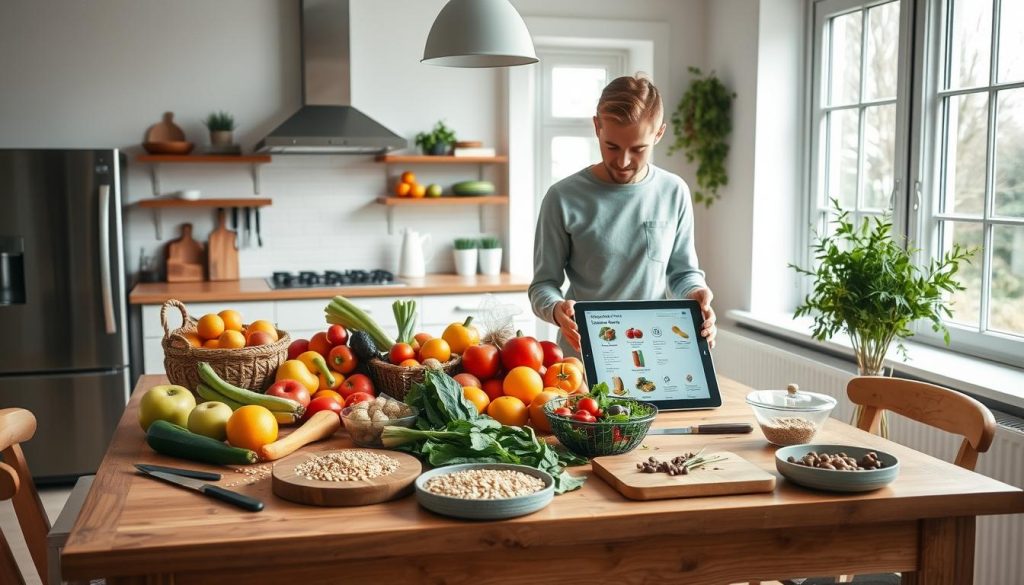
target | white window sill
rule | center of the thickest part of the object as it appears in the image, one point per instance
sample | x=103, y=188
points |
x=988, y=381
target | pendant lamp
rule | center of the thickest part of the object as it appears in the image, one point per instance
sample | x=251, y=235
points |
x=479, y=33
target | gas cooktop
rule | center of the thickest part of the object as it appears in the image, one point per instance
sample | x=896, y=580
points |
x=332, y=278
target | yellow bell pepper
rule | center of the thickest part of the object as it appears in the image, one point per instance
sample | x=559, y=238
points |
x=461, y=335
x=296, y=370
x=316, y=364
x=325, y=385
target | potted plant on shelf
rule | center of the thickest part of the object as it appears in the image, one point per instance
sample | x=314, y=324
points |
x=866, y=285
x=438, y=141
x=490, y=256
x=221, y=125
x=465, y=250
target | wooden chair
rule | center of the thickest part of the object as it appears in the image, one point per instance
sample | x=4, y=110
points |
x=18, y=425
x=929, y=404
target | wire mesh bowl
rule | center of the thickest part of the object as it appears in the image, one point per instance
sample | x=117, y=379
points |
x=597, y=439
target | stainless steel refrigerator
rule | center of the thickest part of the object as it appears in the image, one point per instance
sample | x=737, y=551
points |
x=63, y=326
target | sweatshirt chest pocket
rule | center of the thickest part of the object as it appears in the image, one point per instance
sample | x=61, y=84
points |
x=659, y=240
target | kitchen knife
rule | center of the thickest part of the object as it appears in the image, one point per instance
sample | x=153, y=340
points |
x=715, y=429
x=234, y=224
x=208, y=476
x=248, y=227
x=244, y=502
x=259, y=234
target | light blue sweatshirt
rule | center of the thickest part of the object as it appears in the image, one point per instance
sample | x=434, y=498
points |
x=614, y=242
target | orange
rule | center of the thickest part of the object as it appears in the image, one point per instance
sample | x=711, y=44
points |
x=232, y=319
x=231, y=339
x=328, y=394
x=436, y=348
x=408, y=177
x=477, y=396
x=537, y=417
x=524, y=383
x=418, y=190
x=262, y=325
x=251, y=427
x=194, y=340
x=211, y=344
x=409, y=363
x=210, y=326
x=508, y=410
x=402, y=189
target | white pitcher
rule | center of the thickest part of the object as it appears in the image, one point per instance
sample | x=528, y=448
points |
x=413, y=262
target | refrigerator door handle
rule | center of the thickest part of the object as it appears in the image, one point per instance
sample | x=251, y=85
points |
x=105, y=276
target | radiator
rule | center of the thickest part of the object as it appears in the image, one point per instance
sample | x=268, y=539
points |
x=764, y=363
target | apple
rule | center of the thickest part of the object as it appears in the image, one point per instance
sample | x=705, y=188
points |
x=466, y=379
x=298, y=346
x=166, y=402
x=553, y=353
x=319, y=344
x=433, y=190
x=342, y=360
x=337, y=335
x=259, y=338
x=210, y=419
x=356, y=383
x=357, y=397
x=290, y=389
x=322, y=403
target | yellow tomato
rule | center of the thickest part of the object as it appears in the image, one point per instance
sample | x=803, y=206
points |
x=508, y=410
x=524, y=383
x=436, y=348
x=477, y=396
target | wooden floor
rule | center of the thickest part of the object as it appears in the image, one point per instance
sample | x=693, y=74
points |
x=53, y=500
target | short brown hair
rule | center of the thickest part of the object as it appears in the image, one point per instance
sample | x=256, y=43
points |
x=631, y=99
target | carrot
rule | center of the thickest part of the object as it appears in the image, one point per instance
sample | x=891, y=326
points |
x=319, y=426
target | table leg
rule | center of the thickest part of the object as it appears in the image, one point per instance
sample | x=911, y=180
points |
x=945, y=553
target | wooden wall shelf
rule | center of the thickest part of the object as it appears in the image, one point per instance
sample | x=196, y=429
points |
x=204, y=158
x=439, y=160
x=444, y=200
x=223, y=202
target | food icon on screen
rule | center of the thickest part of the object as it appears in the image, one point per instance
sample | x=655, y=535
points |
x=618, y=388
x=656, y=331
x=607, y=334
x=645, y=385
x=638, y=358
x=633, y=333
x=689, y=377
x=680, y=332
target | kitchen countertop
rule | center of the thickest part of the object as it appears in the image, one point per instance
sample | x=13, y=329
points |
x=257, y=289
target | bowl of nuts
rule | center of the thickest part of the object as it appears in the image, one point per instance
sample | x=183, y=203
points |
x=790, y=417
x=837, y=468
x=365, y=421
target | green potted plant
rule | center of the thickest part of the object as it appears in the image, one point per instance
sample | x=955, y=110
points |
x=221, y=125
x=465, y=250
x=702, y=123
x=490, y=255
x=866, y=285
x=438, y=141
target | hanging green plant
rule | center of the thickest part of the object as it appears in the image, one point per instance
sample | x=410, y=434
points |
x=702, y=123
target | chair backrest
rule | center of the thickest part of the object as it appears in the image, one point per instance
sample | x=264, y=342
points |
x=932, y=405
x=18, y=425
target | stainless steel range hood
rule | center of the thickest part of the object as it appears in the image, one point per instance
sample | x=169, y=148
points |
x=327, y=123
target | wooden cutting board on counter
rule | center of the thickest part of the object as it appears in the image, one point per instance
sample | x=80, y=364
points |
x=287, y=484
x=223, y=254
x=185, y=258
x=732, y=475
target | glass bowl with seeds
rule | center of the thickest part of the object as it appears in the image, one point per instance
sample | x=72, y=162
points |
x=365, y=421
x=790, y=416
x=485, y=491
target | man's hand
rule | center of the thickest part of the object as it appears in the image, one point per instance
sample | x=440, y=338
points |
x=703, y=296
x=564, y=316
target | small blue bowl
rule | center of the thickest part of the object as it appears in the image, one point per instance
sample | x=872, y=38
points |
x=496, y=509
x=835, y=480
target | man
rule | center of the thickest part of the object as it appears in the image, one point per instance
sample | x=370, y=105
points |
x=621, y=229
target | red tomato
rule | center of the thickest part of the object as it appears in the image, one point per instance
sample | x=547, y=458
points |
x=482, y=361
x=562, y=411
x=298, y=346
x=357, y=397
x=522, y=351
x=494, y=388
x=466, y=379
x=401, y=352
x=356, y=383
x=322, y=403
x=342, y=360
x=319, y=344
x=552, y=353
x=588, y=405
x=583, y=416
x=337, y=335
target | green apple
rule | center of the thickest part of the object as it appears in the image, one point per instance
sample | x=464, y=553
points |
x=210, y=419
x=166, y=402
x=433, y=190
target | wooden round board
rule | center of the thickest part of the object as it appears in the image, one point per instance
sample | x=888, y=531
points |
x=290, y=486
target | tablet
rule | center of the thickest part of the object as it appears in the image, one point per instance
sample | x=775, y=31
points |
x=650, y=351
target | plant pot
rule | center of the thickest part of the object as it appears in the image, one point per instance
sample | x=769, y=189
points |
x=490, y=261
x=465, y=262
x=439, y=149
x=221, y=137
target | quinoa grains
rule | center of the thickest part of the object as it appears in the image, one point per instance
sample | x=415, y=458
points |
x=351, y=465
x=789, y=430
x=484, y=484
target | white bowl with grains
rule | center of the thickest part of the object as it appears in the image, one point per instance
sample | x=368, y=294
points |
x=790, y=417
x=365, y=421
x=485, y=491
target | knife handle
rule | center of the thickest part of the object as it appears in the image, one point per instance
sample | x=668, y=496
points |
x=244, y=502
x=725, y=429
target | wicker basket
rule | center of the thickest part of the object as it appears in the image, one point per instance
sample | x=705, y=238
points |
x=248, y=367
x=396, y=380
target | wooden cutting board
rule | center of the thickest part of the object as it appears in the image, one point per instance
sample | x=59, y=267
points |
x=732, y=475
x=289, y=485
x=223, y=254
x=185, y=258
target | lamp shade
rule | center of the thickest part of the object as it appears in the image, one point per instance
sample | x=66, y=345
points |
x=479, y=33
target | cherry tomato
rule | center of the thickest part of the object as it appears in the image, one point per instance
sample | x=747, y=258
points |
x=583, y=416
x=562, y=411
x=589, y=405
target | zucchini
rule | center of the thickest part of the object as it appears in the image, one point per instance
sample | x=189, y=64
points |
x=470, y=188
x=169, y=439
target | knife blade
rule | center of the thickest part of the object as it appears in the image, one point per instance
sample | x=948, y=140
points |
x=259, y=235
x=713, y=429
x=234, y=224
x=248, y=227
x=219, y=493
x=209, y=476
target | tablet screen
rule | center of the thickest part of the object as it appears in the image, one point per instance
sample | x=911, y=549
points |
x=649, y=350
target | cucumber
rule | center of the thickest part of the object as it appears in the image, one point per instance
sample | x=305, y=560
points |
x=469, y=188
x=170, y=439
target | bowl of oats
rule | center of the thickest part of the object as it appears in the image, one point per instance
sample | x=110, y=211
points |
x=365, y=421
x=790, y=416
x=485, y=491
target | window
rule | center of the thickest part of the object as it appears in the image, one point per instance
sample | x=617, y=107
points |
x=938, y=141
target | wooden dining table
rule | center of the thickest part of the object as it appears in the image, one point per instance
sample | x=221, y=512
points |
x=133, y=529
